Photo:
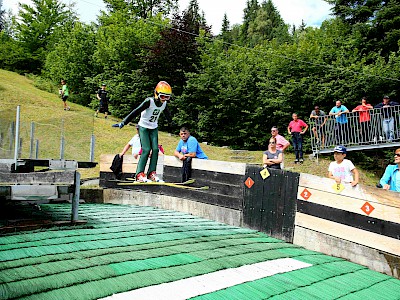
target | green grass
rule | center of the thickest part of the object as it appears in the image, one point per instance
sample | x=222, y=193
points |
x=46, y=110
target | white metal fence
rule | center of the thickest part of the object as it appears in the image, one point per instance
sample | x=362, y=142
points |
x=53, y=138
x=356, y=130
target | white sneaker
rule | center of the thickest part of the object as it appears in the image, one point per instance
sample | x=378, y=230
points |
x=153, y=177
x=141, y=177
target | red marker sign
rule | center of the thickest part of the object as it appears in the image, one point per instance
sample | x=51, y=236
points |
x=249, y=182
x=367, y=208
x=305, y=194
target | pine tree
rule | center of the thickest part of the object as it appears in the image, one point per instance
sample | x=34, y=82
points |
x=250, y=13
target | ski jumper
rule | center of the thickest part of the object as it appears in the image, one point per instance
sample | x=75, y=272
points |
x=150, y=110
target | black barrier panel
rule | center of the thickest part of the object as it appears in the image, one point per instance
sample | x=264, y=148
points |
x=270, y=204
x=382, y=227
x=215, y=195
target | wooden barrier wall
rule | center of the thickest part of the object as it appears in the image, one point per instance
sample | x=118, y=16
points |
x=360, y=223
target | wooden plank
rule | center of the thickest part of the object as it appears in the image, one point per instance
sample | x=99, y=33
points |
x=363, y=192
x=65, y=177
x=362, y=237
x=209, y=165
x=381, y=210
x=172, y=161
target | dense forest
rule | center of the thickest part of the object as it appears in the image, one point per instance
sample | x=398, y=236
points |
x=230, y=88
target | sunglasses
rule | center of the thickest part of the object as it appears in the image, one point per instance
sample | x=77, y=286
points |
x=397, y=155
x=275, y=143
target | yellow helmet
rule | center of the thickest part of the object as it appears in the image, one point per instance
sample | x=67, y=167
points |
x=163, y=89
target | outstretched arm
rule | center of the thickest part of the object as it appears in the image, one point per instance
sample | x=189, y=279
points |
x=144, y=105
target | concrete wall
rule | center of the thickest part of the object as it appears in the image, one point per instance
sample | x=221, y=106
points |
x=204, y=210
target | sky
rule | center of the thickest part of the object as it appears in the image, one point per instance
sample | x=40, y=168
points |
x=313, y=12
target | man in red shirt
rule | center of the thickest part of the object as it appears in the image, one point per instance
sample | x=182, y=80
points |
x=364, y=119
x=297, y=128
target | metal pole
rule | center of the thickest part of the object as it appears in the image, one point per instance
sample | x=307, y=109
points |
x=92, y=144
x=32, y=139
x=75, y=199
x=62, y=140
x=16, y=138
x=37, y=150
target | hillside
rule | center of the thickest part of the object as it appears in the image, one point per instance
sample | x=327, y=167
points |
x=45, y=109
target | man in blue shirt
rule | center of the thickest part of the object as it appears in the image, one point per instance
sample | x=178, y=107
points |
x=187, y=149
x=340, y=111
x=391, y=179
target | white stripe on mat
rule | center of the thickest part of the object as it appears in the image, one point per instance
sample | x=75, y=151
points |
x=208, y=283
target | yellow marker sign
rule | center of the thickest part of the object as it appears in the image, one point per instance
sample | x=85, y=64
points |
x=338, y=187
x=264, y=173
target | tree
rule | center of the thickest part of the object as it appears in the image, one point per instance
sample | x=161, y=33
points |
x=250, y=13
x=225, y=30
x=36, y=24
x=121, y=46
x=176, y=53
x=377, y=23
x=72, y=59
x=267, y=25
x=143, y=8
x=2, y=16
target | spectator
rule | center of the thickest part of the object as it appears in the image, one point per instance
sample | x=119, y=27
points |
x=64, y=93
x=340, y=111
x=387, y=110
x=281, y=143
x=273, y=157
x=342, y=170
x=297, y=128
x=149, y=110
x=364, y=119
x=187, y=149
x=134, y=143
x=390, y=179
x=102, y=97
x=320, y=121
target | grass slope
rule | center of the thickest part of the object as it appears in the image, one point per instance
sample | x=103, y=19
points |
x=46, y=110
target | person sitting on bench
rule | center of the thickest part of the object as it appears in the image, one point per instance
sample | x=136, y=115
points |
x=188, y=148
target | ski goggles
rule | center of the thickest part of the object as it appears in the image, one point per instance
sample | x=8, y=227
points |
x=164, y=97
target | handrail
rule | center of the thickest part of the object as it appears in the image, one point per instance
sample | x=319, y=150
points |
x=379, y=127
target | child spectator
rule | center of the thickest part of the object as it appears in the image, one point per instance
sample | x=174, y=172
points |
x=342, y=170
x=135, y=144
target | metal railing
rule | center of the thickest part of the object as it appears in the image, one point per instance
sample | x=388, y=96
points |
x=374, y=128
